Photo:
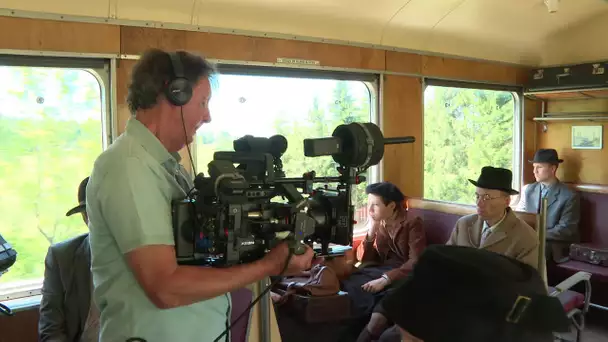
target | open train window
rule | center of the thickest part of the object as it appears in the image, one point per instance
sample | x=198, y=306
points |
x=468, y=127
x=298, y=105
x=52, y=127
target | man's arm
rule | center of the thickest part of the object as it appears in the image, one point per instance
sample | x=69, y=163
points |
x=169, y=285
x=51, y=324
x=529, y=254
x=453, y=240
x=567, y=227
x=139, y=216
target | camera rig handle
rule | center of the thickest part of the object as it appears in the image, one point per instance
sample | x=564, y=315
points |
x=296, y=247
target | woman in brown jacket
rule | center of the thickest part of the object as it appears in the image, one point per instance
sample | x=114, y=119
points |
x=391, y=247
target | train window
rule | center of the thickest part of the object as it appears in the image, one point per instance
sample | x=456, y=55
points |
x=51, y=131
x=471, y=128
x=295, y=107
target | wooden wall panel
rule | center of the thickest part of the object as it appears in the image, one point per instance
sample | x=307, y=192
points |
x=134, y=40
x=403, y=163
x=456, y=69
x=48, y=35
x=470, y=70
x=579, y=166
x=578, y=106
x=123, y=76
x=22, y=327
x=268, y=50
x=410, y=63
x=532, y=109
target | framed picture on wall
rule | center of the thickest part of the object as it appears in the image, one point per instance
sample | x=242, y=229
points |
x=587, y=137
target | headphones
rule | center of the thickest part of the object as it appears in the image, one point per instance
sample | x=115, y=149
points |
x=179, y=89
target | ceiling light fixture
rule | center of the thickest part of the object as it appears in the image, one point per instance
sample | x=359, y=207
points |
x=552, y=5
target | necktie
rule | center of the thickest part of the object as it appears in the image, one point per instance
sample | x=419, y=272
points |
x=543, y=194
x=543, y=191
x=484, y=235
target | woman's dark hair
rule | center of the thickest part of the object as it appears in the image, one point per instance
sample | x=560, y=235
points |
x=387, y=191
x=154, y=71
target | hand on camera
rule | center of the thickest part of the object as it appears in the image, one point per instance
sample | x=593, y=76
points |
x=297, y=263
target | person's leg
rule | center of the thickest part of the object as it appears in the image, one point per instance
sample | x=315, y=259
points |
x=376, y=326
x=391, y=334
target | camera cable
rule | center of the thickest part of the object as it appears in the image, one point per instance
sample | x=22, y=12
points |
x=258, y=298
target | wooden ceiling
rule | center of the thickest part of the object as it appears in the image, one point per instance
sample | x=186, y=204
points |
x=514, y=31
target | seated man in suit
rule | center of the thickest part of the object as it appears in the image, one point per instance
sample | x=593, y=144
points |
x=67, y=312
x=563, y=206
x=460, y=294
x=495, y=227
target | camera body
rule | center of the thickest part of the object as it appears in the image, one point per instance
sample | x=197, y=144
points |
x=238, y=213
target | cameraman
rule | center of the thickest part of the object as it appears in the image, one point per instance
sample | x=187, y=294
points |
x=140, y=289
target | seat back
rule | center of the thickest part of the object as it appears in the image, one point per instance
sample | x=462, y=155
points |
x=439, y=217
x=241, y=299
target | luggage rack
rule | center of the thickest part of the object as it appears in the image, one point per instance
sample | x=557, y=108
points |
x=573, y=116
x=569, y=95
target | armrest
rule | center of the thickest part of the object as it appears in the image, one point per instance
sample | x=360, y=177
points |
x=578, y=277
x=570, y=282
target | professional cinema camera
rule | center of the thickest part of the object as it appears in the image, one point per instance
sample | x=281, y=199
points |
x=232, y=216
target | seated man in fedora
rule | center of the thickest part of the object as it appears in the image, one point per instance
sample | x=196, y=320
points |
x=495, y=227
x=67, y=311
x=460, y=294
x=563, y=205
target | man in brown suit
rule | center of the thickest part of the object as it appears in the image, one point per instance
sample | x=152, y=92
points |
x=495, y=227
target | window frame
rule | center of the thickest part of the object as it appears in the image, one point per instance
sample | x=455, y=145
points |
x=100, y=68
x=518, y=121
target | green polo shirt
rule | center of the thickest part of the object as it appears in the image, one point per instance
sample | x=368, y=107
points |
x=129, y=206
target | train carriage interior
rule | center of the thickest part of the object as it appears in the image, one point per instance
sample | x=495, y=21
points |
x=475, y=83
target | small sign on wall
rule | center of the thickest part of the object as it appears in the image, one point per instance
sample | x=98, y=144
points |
x=297, y=61
x=587, y=137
